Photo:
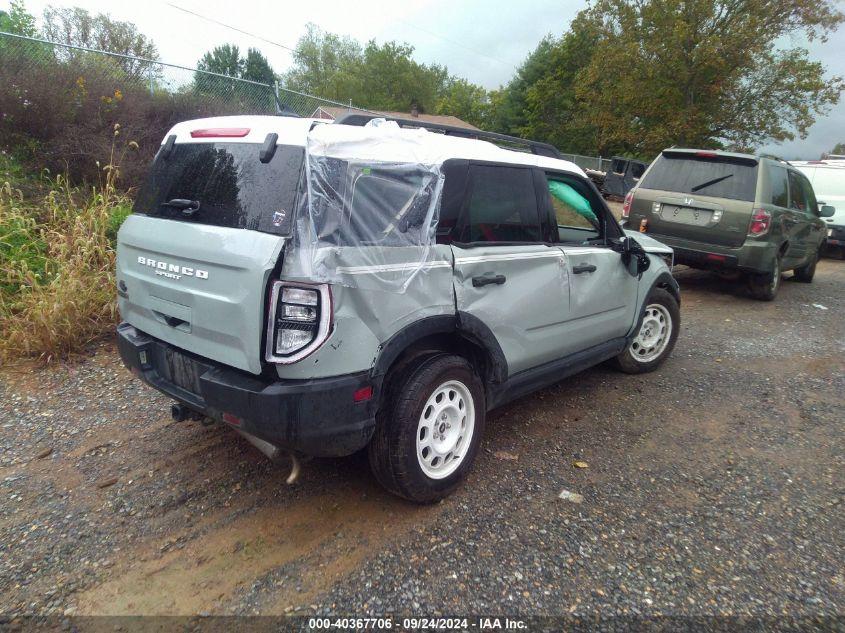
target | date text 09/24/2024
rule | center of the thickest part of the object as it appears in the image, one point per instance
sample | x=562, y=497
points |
x=417, y=623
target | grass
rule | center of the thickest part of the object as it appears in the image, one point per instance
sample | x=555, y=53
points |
x=57, y=258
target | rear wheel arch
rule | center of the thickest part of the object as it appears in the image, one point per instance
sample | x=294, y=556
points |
x=461, y=334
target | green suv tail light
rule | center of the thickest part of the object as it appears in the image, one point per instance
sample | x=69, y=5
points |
x=760, y=223
x=299, y=320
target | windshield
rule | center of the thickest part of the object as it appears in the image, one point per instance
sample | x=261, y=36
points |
x=224, y=184
x=718, y=178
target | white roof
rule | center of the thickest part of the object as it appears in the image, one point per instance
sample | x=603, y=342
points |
x=386, y=142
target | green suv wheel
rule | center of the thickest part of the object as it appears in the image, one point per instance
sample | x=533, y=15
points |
x=428, y=429
x=765, y=286
x=806, y=273
x=656, y=337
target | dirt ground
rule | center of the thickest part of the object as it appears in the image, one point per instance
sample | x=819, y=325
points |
x=713, y=486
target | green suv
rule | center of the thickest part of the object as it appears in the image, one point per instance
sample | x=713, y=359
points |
x=731, y=212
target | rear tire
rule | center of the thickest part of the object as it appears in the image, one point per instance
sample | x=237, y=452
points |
x=807, y=271
x=765, y=286
x=657, y=335
x=428, y=429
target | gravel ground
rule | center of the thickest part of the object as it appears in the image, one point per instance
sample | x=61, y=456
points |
x=713, y=486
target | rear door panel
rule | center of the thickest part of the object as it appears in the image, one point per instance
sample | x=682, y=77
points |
x=198, y=287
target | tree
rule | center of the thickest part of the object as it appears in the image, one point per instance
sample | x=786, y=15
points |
x=77, y=27
x=379, y=77
x=466, y=101
x=551, y=108
x=324, y=64
x=227, y=60
x=223, y=60
x=703, y=73
x=17, y=20
x=257, y=68
x=508, y=104
x=838, y=149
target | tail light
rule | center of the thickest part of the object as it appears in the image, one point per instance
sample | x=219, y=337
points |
x=760, y=223
x=299, y=320
x=626, y=206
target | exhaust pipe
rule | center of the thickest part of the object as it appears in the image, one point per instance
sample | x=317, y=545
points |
x=272, y=452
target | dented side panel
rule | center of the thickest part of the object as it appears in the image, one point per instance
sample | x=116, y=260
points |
x=364, y=317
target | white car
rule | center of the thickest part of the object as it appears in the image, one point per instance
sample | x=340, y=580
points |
x=828, y=179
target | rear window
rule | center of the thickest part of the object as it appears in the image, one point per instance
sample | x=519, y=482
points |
x=719, y=178
x=224, y=184
x=371, y=204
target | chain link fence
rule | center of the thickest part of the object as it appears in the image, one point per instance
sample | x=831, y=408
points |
x=59, y=105
x=596, y=163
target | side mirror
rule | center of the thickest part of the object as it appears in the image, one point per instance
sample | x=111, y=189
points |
x=634, y=256
x=826, y=211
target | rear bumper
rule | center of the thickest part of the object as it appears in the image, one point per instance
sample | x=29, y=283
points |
x=752, y=256
x=315, y=417
x=835, y=235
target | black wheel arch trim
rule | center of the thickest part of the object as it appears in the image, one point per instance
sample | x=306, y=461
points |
x=463, y=324
x=666, y=281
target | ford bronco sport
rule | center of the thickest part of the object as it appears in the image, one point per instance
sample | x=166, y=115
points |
x=731, y=213
x=324, y=288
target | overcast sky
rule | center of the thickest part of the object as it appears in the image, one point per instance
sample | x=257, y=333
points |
x=481, y=40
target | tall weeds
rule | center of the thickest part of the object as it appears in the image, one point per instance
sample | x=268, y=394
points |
x=57, y=257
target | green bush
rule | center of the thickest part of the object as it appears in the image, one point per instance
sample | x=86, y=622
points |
x=57, y=254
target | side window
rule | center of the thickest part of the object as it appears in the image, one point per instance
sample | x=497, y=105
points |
x=778, y=191
x=637, y=170
x=501, y=206
x=618, y=165
x=578, y=220
x=796, y=193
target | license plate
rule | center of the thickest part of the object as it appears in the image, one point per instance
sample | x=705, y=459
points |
x=685, y=215
x=182, y=370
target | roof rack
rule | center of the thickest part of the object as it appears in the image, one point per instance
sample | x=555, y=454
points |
x=509, y=142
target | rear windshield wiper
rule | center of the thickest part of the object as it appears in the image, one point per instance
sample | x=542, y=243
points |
x=710, y=182
x=188, y=207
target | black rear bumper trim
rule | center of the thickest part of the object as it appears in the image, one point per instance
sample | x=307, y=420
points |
x=315, y=417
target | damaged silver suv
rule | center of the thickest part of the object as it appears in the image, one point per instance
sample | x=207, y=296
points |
x=324, y=288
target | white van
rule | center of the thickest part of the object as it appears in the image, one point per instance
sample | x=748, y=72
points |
x=828, y=180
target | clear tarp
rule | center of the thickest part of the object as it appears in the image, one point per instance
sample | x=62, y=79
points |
x=369, y=215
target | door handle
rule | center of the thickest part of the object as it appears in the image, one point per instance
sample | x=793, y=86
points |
x=583, y=268
x=484, y=280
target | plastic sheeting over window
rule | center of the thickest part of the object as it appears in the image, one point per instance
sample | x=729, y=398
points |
x=369, y=214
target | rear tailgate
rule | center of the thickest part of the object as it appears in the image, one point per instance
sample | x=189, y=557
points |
x=200, y=288
x=703, y=197
x=208, y=228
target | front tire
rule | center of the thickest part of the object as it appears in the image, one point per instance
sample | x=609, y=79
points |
x=428, y=429
x=806, y=273
x=656, y=337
